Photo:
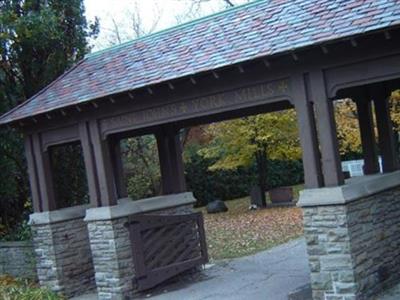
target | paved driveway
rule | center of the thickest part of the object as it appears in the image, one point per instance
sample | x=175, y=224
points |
x=268, y=275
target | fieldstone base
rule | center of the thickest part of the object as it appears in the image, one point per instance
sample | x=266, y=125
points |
x=111, y=245
x=112, y=258
x=354, y=247
x=17, y=259
x=63, y=256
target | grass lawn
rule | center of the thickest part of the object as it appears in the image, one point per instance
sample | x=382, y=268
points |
x=241, y=232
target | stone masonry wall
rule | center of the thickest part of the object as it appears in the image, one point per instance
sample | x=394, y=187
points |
x=17, y=259
x=112, y=258
x=112, y=255
x=354, y=249
x=374, y=227
x=64, y=260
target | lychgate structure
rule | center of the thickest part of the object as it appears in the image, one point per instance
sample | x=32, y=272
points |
x=262, y=57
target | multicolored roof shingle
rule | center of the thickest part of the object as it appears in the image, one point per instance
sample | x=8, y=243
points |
x=244, y=33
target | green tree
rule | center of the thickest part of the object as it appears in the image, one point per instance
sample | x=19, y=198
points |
x=39, y=40
x=142, y=166
x=239, y=142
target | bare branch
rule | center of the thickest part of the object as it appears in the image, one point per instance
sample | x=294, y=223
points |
x=116, y=31
x=229, y=3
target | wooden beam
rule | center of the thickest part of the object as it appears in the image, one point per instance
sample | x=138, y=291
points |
x=44, y=174
x=367, y=133
x=90, y=164
x=308, y=133
x=387, y=145
x=118, y=169
x=98, y=165
x=103, y=165
x=33, y=175
x=171, y=162
x=331, y=165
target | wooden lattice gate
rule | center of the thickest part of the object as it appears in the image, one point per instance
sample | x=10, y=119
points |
x=166, y=245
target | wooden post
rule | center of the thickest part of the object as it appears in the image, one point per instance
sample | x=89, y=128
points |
x=90, y=165
x=40, y=174
x=118, y=169
x=308, y=135
x=96, y=151
x=33, y=176
x=367, y=133
x=385, y=131
x=171, y=162
x=331, y=165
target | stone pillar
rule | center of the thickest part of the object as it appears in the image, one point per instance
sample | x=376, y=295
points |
x=112, y=256
x=63, y=256
x=366, y=123
x=352, y=236
x=111, y=245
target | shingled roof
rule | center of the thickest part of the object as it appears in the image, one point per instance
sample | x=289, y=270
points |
x=247, y=32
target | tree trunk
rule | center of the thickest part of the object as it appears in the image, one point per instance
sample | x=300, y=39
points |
x=262, y=170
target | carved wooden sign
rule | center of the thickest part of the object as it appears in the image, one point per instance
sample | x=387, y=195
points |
x=199, y=106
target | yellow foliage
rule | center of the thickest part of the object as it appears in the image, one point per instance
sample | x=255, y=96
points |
x=347, y=126
x=395, y=109
x=236, y=142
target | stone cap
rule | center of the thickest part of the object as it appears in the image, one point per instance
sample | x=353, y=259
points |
x=354, y=189
x=60, y=215
x=127, y=207
x=16, y=244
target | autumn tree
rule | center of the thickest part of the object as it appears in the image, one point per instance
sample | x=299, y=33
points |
x=348, y=130
x=242, y=141
x=395, y=109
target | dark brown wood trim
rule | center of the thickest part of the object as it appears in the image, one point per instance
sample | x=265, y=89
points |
x=33, y=176
x=367, y=133
x=325, y=119
x=308, y=134
x=44, y=174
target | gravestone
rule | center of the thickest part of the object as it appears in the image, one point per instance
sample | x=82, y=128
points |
x=216, y=206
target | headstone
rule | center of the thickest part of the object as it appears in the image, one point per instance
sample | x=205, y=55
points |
x=282, y=194
x=216, y=206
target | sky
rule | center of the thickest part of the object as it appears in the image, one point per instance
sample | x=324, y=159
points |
x=154, y=15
